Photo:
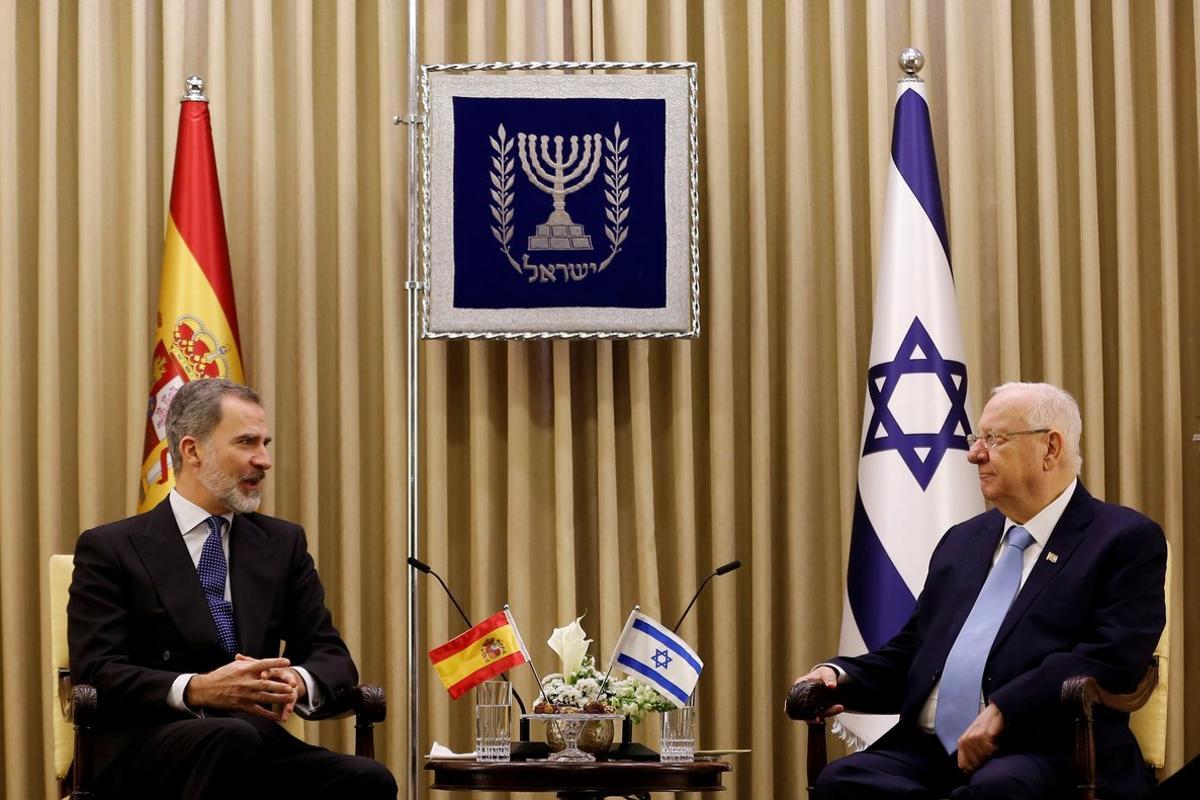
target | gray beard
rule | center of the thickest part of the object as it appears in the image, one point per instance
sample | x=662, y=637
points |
x=226, y=490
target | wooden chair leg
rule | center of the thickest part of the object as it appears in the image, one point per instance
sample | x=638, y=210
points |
x=817, y=755
x=1085, y=756
x=83, y=709
x=371, y=707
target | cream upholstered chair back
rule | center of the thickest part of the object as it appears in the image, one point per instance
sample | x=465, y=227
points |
x=60, y=670
x=61, y=568
x=1149, y=723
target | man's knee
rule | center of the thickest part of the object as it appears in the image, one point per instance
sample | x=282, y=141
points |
x=234, y=739
x=1014, y=777
x=832, y=782
x=373, y=781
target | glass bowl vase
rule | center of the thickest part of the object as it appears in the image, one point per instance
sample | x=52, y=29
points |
x=577, y=737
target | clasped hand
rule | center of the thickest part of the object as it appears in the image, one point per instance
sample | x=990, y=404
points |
x=264, y=687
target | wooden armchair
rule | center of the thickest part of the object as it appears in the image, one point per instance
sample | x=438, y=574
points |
x=807, y=700
x=74, y=708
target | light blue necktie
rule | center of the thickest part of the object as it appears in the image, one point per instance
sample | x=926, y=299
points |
x=213, y=571
x=962, y=677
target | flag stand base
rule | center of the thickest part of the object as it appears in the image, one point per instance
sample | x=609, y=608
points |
x=629, y=750
x=525, y=750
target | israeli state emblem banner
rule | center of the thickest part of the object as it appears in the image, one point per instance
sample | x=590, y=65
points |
x=560, y=205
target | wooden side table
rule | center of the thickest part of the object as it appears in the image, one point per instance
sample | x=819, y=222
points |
x=589, y=781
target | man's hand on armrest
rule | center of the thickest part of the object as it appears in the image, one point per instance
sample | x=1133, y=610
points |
x=829, y=676
x=243, y=685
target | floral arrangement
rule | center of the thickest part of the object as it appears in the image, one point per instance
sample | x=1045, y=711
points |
x=581, y=687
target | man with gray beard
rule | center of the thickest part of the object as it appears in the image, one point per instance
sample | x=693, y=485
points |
x=176, y=617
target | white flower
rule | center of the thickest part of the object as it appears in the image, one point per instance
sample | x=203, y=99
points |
x=571, y=644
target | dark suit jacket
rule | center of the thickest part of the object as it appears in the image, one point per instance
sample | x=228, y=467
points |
x=137, y=617
x=1097, y=610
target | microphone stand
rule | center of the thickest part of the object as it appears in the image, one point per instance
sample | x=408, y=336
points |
x=629, y=750
x=524, y=749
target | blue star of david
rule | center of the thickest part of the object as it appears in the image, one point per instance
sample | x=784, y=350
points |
x=661, y=659
x=917, y=354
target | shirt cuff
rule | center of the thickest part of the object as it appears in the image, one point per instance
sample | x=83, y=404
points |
x=312, y=695
x=177, y=692
x=841, y=672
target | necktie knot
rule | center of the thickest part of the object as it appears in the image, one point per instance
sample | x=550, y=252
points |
x=215, y=525
x=1019, y=538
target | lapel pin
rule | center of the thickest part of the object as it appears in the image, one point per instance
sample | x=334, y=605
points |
x=1052, y=558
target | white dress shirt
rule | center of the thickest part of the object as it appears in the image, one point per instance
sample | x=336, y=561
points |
x=192, y=521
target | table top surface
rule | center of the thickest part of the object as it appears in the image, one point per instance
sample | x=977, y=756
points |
x=549, y=776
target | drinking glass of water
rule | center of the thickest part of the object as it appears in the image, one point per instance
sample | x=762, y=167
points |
x=678, y=741
x=493, y=709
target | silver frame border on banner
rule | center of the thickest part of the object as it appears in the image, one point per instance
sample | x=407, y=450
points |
x=692, y=327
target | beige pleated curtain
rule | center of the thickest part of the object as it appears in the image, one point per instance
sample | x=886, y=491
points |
x=589, y=476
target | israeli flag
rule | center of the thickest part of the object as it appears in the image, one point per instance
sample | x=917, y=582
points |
x=914, y=481
x=648, y=651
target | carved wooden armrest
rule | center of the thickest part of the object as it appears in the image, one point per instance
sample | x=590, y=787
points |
x=84, y=708
x=1081, y=693
x=1079, y=696
x=84, y=702
x=365, y=702
x=368, y=703
x=807, y=701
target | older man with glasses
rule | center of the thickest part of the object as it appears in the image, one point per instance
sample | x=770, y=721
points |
x=1048, y=584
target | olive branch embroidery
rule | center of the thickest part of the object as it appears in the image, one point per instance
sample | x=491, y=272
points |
x=616, y=179
x=502, y=183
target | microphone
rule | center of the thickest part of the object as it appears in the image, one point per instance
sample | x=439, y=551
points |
x=421, y=566
x=536, y=747
x=721, y=570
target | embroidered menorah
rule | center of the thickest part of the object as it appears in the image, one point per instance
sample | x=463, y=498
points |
x=550, y=174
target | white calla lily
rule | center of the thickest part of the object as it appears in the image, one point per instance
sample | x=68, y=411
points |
x=571, y=645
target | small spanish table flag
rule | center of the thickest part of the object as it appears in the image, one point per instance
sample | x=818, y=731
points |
x=491, y=647
x=196, y=331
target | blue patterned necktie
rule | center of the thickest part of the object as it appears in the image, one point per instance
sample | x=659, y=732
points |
x=962, y=677
x=213, y=571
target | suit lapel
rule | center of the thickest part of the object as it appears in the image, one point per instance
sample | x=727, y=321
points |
x=252, y=576
x=161, y=547
x=1066, y=536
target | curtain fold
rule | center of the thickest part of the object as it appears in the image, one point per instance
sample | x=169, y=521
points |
x=564, y=477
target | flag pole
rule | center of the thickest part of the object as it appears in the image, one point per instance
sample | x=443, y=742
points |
x=412, y=429
x=636, y=609
x=525, y=650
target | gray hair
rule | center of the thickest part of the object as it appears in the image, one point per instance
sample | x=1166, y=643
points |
x=1048, y=406
x=196, y=410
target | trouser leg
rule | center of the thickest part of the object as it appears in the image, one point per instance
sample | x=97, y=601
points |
x=191, y=759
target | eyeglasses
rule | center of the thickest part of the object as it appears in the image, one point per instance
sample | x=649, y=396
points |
x=993, y=438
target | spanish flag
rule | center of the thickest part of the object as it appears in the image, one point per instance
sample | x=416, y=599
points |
x=491, y=647
x=196, y=331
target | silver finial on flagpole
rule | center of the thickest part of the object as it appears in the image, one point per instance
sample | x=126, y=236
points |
x=195, y=89
x=911, y=60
